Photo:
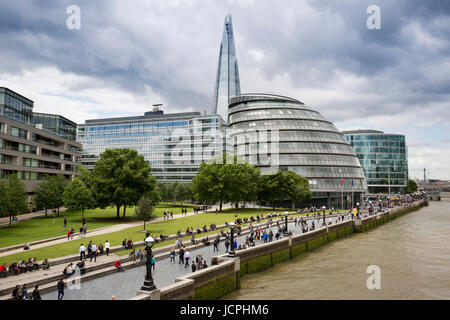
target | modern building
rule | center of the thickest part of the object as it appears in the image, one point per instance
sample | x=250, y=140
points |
x=15, y=106
x=28, y=151
x=173, y=144
x=274, y=132
x=56, y=124
x=227, y=80
x=384, y=158
x=32, y=153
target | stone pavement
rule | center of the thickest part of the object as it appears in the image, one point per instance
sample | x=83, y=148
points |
x=124, y=285
x=42, y=275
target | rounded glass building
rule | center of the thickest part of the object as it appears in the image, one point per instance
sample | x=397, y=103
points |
x=274, y=132
x=384, y=158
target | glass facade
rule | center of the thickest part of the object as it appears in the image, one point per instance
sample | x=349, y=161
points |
x=174, y=144
x=275, y=132
x=56, y=124
x=384, y=158
x=227, y=80
x=15, y=107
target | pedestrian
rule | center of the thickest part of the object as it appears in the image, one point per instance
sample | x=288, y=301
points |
x=194, y=267
x=36, y=295
x=107, y=247
x=94, y=252
x=89, y=249
x=65, y=222
x=153, y=262
x=172, y=255
x=82, y=252
x=15, y=293
x=181, y=256
x=187, y=255
x=216, y=245
x=227, y=245
x=68, y=235
x=60, y=286
x=72, y=232
x=80, y=235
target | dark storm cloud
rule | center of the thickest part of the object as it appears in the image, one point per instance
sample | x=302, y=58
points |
x=173, y=48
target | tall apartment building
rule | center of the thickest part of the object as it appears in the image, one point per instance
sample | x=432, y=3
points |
x=28, y=151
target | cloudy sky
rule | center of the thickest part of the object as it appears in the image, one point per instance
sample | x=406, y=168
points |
x=128, y=55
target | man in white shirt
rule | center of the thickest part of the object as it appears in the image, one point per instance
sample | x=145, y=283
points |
x=82, y=252
x=187, y=255
x=94, y=252
x=107, y=247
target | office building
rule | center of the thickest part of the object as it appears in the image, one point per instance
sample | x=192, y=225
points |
x=227, y=80
x=173, y=144
x=274, y=132
x=56, y=124
x=383, y=157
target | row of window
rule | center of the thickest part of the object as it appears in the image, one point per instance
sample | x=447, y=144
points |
x=295, y=136
x=378, y=143
x=282, y=125
x=274, y=113
x=302, y=160
x=294, y=147
x=375, y=137
x=381, y=156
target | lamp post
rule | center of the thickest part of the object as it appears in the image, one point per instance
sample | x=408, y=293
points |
x=324, y=223
x=285, y=232
x=148, y=282
x=232, y=253
x=357, y=210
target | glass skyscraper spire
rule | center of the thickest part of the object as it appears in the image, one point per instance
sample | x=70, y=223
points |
x=227, y=81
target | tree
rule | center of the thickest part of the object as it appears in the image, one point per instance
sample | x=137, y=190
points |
x=48, y=194
x=144, y=209
x=77, y=196
x=228, y=181
x=120, y=178
x=297, y=189
x=3, y=197
x=411, y=186
x=14, y=198
x=181, y=192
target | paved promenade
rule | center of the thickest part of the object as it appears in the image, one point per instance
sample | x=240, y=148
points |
x=4, y=222
x=124, y=285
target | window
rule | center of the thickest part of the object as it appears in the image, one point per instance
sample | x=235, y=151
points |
x=17, y=132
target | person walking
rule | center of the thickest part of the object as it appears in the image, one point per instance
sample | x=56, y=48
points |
x=60, y=286
x=89, y=249
x=227, y=245
x=181, y=256
x=107, y=247
x=65, y=222
x=36, y=295
x=216, y=245
x=82, y=252
x=172, y=255
x=187, y=255
x=94, y=253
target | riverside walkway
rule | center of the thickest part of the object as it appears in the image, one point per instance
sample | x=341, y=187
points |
x=124, y=285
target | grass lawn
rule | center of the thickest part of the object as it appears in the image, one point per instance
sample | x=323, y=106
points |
x=167, y=227
x=43, y=227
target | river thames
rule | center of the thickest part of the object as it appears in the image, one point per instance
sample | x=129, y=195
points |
x=412, y=252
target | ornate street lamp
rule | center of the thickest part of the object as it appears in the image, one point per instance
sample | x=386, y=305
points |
x=285, y=232
x=148, y=283
x=324, y=223
x=232, y=253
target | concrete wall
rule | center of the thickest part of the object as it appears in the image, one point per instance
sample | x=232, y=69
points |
x=217, y=281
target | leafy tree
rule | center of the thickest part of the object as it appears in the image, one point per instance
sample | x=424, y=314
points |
x=48, y=194
x=77, y=196
x=120, y=178
x=296, y=188
x=411, y=186
x=228, y=181
x=182, y=192
x=3, y=197
x=144, y=209
x=14, y=198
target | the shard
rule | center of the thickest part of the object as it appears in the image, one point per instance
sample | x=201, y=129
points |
x=227, y=80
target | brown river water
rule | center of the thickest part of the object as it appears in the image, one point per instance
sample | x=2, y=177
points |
x=412, y=252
